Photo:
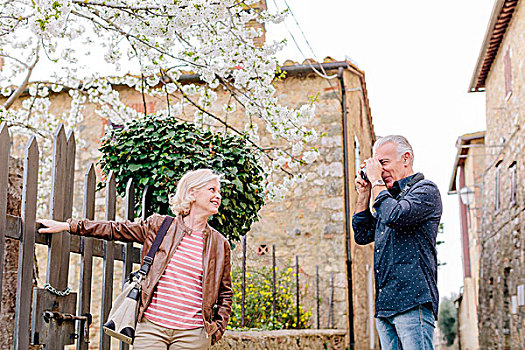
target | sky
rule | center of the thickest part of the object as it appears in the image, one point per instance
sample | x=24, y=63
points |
x=418, y=58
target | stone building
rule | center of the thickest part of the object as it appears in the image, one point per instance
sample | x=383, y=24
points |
x=467, y=182
x=499, y=72
x=313, y=222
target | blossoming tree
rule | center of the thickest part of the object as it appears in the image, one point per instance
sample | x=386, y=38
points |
x=158, y=39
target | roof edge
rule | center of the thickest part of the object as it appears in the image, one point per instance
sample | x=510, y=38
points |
x=462, y=140
x=293, y=69
x=501, y=15
x=361, y=74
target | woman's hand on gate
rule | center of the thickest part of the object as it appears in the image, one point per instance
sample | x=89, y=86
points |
x=52, y=226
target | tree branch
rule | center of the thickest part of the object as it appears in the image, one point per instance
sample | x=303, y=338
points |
x=194, y=104
x=27, y=126
x=226, y=125
x=15, y=59
x=134, y=8
x=113, y=6
x=22, y=86
x=115, y=28
x=143, y=95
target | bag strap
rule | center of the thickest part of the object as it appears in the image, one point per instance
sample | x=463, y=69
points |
x=148, y=259
x=418, y=177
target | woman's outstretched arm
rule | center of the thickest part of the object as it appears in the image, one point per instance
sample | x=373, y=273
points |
x=127, y=231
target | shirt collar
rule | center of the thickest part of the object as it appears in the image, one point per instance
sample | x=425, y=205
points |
x=399, y=185
x=188, y=230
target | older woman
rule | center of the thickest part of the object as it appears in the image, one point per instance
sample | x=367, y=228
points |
x=190, y=274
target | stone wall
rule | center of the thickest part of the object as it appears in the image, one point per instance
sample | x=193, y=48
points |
x=310, y=222
x=283, y=340
x=14, y=202
x=502, y=272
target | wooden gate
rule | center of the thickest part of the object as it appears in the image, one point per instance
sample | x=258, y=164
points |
x=54, y=316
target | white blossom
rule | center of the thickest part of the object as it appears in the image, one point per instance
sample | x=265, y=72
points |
x=160, y=40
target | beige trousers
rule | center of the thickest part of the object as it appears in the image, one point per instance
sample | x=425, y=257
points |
x=150, y=336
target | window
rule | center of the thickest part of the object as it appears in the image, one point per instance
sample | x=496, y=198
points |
x=497, y=187
x=139, y=107
x=508, y=73
x=357, y=155
x=513, y=183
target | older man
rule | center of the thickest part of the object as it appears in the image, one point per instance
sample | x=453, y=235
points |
x=404, y=228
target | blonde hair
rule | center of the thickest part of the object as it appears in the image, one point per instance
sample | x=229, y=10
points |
x=180, y=202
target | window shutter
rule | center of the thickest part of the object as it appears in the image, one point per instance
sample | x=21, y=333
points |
x=497, y=196
x=513, y=183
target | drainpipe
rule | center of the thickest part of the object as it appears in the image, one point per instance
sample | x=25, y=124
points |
x=347, y=213
x=464, y=211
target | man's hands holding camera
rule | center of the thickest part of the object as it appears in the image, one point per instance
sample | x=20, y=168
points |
x=372, y=169
x=370, y=172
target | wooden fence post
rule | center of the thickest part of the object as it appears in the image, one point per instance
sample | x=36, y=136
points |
x=69, y=178
x=44, y=307
x=129, y=214
x=57, y=266
x=25, y=266
x=5, y=146
x=107, y=279
x=86, y=251
x=56, y=295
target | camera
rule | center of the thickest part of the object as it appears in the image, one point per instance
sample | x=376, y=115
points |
x=362, y=172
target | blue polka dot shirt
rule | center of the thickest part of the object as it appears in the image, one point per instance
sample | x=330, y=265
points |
x=404, y=230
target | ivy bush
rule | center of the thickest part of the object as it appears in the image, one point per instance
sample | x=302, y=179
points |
x=156, y=151
x=258, y=308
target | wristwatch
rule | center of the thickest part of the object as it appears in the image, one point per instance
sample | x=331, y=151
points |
x=379, y=182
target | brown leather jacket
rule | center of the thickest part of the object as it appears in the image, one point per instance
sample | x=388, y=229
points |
x=216, y=280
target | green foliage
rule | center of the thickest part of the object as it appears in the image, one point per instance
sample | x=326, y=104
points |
x=448, y=319
x=158, y=152
x=258, y=300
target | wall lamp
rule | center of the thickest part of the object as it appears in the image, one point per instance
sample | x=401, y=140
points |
x=466, y=194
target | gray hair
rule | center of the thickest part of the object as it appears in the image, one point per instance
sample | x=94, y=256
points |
x=180, y=202
x=402, y=145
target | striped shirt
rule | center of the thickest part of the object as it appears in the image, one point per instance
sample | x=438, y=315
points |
x=177, y=300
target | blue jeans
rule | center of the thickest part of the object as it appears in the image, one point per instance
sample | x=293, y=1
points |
x=410, y=330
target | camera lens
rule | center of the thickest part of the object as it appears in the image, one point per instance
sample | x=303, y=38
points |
x=363, y=174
